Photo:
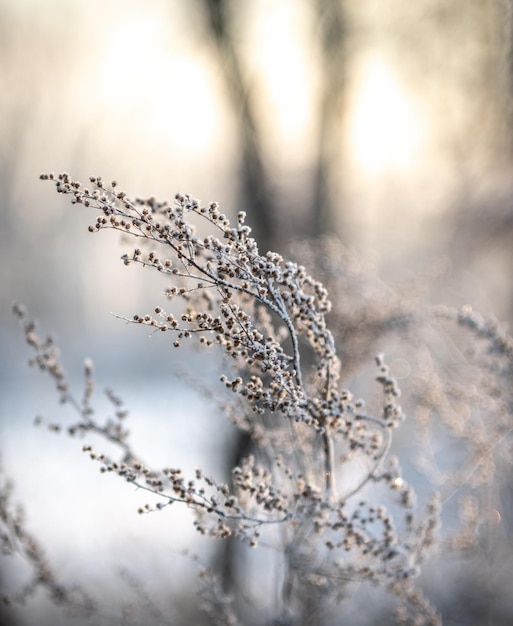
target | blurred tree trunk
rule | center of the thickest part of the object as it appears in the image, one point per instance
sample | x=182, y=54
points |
x=484, y=223
x=332, y=25
x=256, y=187
x=507, y=15
x=255, y=198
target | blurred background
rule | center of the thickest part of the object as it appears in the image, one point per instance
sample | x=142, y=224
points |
x=387, y=125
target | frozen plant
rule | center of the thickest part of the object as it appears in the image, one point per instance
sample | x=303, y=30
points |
x=268, y=315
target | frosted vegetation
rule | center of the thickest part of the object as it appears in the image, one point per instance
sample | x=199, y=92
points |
x=321, y=478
